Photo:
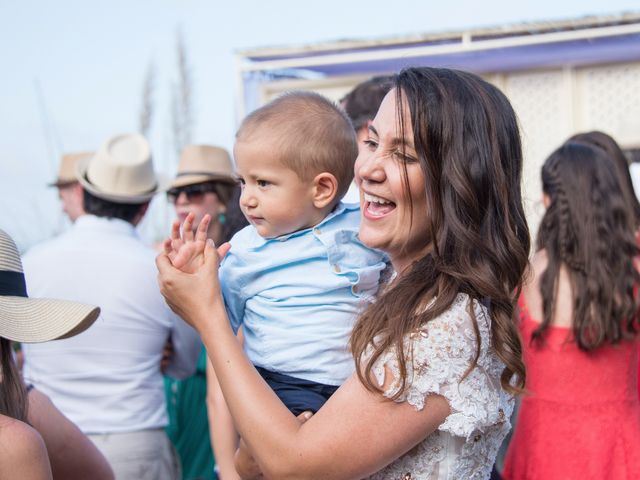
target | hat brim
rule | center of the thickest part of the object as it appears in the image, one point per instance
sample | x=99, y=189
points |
x=33, y=320
x=163, y=183
x=184, y=180
x=62, y=183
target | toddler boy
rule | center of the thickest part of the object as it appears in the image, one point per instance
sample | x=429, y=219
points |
x=297, y=276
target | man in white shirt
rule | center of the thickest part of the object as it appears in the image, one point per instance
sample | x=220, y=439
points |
x=108, y=379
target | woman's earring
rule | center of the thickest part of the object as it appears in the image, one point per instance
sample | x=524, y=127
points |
x=222, y=218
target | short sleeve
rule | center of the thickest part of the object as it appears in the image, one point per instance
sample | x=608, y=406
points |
x=440, y=355
x=233, y=300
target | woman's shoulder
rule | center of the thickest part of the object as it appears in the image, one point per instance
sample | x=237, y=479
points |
x=440, y=360
x=458, y=320
x=18, y=435
x=23, y=450
x=452, y=332
x=443, y=349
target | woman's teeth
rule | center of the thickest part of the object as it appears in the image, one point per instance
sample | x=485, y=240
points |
x=377, y=206
x=373, y=199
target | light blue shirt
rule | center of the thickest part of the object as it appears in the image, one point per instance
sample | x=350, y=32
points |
x=298, y=295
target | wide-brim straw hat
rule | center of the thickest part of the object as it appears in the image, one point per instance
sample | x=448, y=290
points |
x=121, y=171
x=31, y=320
x=67, y=169
x=203, y=163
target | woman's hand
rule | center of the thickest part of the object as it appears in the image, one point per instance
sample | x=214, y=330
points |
x=246, y=465
x=188, y=272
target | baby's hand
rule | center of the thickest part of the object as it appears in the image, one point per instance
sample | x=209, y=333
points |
x=186, y=251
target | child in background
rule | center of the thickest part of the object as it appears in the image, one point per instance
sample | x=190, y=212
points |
x=579, y=323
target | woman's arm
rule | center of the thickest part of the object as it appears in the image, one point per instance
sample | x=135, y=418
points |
x=355, y=434
x=224, y=438
x=71, y=453
x=246, y=465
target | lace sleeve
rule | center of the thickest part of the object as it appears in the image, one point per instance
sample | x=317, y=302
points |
x=440, y=354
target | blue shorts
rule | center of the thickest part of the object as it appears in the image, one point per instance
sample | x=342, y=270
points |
x=297, y=394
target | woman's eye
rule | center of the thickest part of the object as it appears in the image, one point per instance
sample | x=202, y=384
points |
x=403, y=157
x=371, y=144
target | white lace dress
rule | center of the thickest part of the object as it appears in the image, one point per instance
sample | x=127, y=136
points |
x=466, y=443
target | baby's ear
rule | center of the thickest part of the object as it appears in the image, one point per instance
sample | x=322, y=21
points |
x=325, y=189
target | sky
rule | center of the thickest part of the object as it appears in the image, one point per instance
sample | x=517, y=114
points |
x=74, y=73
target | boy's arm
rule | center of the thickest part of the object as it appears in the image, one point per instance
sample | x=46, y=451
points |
x=185, y=252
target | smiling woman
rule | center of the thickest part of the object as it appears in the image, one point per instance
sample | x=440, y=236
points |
x=392, y=183
x=437, y=356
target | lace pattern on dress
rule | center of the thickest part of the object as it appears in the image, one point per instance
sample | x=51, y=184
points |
x=442, y=352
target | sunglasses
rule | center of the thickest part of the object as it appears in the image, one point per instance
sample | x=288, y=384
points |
x=194, y=193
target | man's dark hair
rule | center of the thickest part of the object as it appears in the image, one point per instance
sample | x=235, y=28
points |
x=362, y=103
x=107, y=209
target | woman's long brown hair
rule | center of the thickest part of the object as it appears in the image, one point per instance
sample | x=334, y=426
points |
x=468, y=144
x=13, y=396
x=587, y=229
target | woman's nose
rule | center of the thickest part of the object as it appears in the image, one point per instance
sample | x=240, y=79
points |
x=182, y=199
x=369, y=168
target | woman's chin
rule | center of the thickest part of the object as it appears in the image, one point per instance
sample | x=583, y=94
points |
x=372, y=238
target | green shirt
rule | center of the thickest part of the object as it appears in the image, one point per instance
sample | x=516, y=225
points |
x=188, y=426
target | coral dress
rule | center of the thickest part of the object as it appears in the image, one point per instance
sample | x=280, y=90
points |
x=581, y=417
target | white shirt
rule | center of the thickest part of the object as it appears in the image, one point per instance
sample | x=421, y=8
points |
x=107, y=379
x=352, y=195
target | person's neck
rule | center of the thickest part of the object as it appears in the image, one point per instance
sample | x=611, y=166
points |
x=402, y=262
x=215, y=232
x=400, y=265
x=320, y=215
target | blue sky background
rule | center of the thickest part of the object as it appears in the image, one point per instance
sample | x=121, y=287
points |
x=88, y=60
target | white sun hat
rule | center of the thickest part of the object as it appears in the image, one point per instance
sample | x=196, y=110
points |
x=32, y=320
x=203, y=163
x=121, y=171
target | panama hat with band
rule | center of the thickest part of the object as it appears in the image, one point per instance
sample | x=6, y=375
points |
x=121, y=171
x=203, y=163
x=31, y=320
x=67, y=169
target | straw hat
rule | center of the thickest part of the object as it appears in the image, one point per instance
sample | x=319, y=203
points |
x=31, y=320
x=67, y=169
x=203, y=163
x=121, y=171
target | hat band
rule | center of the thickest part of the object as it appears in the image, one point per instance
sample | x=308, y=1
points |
x=208, y=174
x=94, y=185
x=12, y=284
